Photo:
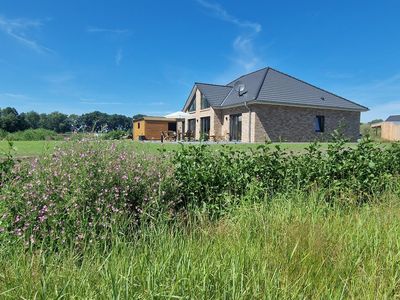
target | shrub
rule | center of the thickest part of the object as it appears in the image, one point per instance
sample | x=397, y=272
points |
x=114, y=135
x=80, y=193
x=34, y=135
x=3, y=134
x=205, y=175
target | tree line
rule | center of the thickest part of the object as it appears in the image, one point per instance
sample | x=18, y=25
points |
x=12, y=121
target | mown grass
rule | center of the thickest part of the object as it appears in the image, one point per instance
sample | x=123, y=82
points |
x=40, y=148
x=293, y=246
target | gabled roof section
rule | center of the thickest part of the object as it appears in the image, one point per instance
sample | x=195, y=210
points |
x=215, y=94
x=393, y=118
x=281, y=88
x=270, y=86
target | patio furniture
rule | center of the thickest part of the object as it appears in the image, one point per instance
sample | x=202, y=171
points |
x=188, y=136
x=168, y=136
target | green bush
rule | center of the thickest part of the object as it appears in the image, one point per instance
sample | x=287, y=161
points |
x=206, y=175
x=3, y=134
x=114, y=135
x=34, y=135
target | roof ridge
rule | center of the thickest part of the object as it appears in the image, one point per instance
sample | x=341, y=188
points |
x=226, y=97
x=248, y=74
x=262, y=83
x=314, y=86
x=221, y=85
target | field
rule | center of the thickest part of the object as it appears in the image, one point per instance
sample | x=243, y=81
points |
x=24, y=149
x=123, y=220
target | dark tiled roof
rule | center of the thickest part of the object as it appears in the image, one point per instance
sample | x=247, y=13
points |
x=252, y=83
x=393, y=118
x=214, y=94
x=281, y=88
x=271, y=86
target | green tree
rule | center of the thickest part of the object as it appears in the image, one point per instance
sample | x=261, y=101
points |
x=32, y=119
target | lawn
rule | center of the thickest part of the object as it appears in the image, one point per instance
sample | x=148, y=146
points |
x=25, y=149
x=29, y=148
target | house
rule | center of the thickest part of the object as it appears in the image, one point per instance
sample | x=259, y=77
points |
x=390, y=129
x=151, y=128
x=268, y=105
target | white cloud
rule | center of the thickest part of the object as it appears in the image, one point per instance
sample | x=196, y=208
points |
x=60, y=78
x=93, y=29
x=14, y=96
x=245, y=56
x=382, y=111
x=118, y=57
x=18, y=29
x=222, y=14
x=382, y=96
x=157, y=103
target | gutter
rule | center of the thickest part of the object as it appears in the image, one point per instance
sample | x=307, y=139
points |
x=248, y=108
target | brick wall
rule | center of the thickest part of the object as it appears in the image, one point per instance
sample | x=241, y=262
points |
x=295, y=124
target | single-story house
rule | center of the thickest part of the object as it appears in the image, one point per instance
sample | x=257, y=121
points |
x=151, y=128
x=268, y=105
x=390, y=129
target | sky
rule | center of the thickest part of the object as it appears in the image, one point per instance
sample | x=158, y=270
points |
x=131, y=57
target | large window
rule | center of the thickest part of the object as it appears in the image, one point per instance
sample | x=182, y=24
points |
x=192, y=126
x=319, y=123
x=204, y=102
x=192, y=106
x=205, y=128
x=235, y=127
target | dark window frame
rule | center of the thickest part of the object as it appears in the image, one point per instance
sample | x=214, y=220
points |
x=191, y=123
x=205, y=127
x=319, y=123
x=138, y=125
x=204, y=102
x=192, y=105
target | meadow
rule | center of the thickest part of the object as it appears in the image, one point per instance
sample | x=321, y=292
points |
x=125, y=220
x=30, y=149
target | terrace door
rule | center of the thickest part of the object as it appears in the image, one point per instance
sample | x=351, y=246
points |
x=191, y=129
x=205, y=128
x=235, y=125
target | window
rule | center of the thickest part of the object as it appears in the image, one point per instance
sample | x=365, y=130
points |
x=138, y=125
x=192, y=106
x=319, y=123
x=205, y=128
x=171, y=126
x=235, y=125
x=192, y=126
x=204, y=102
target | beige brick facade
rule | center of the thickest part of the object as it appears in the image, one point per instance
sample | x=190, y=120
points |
x=277, y=122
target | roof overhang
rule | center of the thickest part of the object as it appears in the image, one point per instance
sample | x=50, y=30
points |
x=253, y=102
x=192, y=93
x=154, y=118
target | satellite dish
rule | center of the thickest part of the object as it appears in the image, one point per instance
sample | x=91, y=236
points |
x=239, y=87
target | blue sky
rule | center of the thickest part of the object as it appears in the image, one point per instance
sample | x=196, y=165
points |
x=139, y=56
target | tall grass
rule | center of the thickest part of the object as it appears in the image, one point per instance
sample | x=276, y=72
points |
x=294, y=246
x=97, y=220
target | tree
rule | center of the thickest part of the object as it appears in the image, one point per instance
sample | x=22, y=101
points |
x=58, y=122
x=32, y=119
x=10, y=120
x=375, y=121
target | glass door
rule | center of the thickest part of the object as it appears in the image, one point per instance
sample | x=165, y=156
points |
x=204, y=128
x=236, y=127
